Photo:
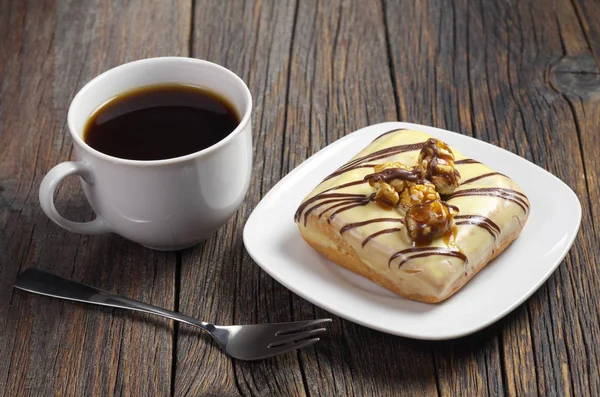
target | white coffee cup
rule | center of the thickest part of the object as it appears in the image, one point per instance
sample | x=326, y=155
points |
x=162, y=204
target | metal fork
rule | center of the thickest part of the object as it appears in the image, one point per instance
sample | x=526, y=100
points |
x=244, y=342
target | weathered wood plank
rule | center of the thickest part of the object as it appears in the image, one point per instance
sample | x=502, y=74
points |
x=490, y=64
x=576, y=78
x=438, y=55
x=48, y=50
x=340, y=81
x=219, y=282
x=588, y=15
x=522, y=74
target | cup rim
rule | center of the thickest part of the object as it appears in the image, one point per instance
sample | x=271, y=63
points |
x=175, y=160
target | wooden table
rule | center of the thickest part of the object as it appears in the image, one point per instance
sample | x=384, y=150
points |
x=522, y=75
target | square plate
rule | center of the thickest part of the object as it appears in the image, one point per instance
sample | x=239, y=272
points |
x=274, y=242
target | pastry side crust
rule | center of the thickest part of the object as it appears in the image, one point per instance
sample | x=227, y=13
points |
x=341, y=253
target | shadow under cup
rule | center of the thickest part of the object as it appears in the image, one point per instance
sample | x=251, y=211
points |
x=162, y=204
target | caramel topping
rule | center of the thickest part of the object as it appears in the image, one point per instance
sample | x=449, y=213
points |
x=386, y=196
x=419, y=189
x=418, y=194
x=390, y=179
x=431, y=219
x=436, y=164
x=450, y=236
x=389, y=174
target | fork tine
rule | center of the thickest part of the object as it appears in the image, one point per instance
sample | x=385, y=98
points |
x=299, y=325
x=296, y=337
x=293, y=346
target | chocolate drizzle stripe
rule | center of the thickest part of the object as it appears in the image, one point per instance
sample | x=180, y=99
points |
x=390, y=174
x=380, y=154
x=482, y=223
x=467, y=161
x=453, y=207
x=341, y=171
x=502, y=190
x=413, y=253
x=480, y=218
x=417, y=249
x=338, y=204
x=512, y=198
x=455, y=254
x=392, y=149
x=368, y=221
x=387, y=133
x=342, y=200
x=357, y=166
x=343, y=185
x=491, y=189
x=384, y=231
x=324, y=195
x=476, y=178
x=348, y=207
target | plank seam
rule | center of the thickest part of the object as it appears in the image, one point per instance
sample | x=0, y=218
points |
x=119, y=358
x=583, y=24
x=436, y=373
x=533, y=348
x=192, y=26
x=518, y=103
x=289, y=75
x=233, y=362
x=267, y=148
x=391, y=61
x=298, y=352
x=503, y=363
x=176, y=298
x=487, y=77
x=332, y=69
x=471, y=103
x=12, y=294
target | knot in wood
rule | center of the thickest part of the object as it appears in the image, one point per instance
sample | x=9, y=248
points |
x=577, y=75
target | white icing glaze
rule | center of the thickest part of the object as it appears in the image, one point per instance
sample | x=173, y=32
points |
x=433, y=275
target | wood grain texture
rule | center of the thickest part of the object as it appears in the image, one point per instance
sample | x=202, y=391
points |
x=49, y=347
x=483, y=69
x=340, y=81
x=219, y=282
x=523, y=75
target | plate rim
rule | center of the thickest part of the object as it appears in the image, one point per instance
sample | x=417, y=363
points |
x=256, y=257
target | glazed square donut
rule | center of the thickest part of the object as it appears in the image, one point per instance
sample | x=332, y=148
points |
x=414, y=215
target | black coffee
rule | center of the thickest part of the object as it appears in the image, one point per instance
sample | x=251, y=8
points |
x=160, y=122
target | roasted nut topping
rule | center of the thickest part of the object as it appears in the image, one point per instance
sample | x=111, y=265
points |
x=386, y=196
x=390, y=179
x=436, y=164
x=418, y=190
x=431, y=219
x=418, y=194
x=396, y=175
x=387, y=165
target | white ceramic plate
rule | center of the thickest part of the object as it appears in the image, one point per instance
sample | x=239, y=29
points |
x=272, y=239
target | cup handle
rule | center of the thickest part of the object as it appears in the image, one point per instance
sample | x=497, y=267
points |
x=47, y=188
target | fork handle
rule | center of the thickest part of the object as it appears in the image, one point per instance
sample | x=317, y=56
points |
x=43, y=283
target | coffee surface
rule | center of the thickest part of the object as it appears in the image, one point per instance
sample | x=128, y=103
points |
x=160, y=122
